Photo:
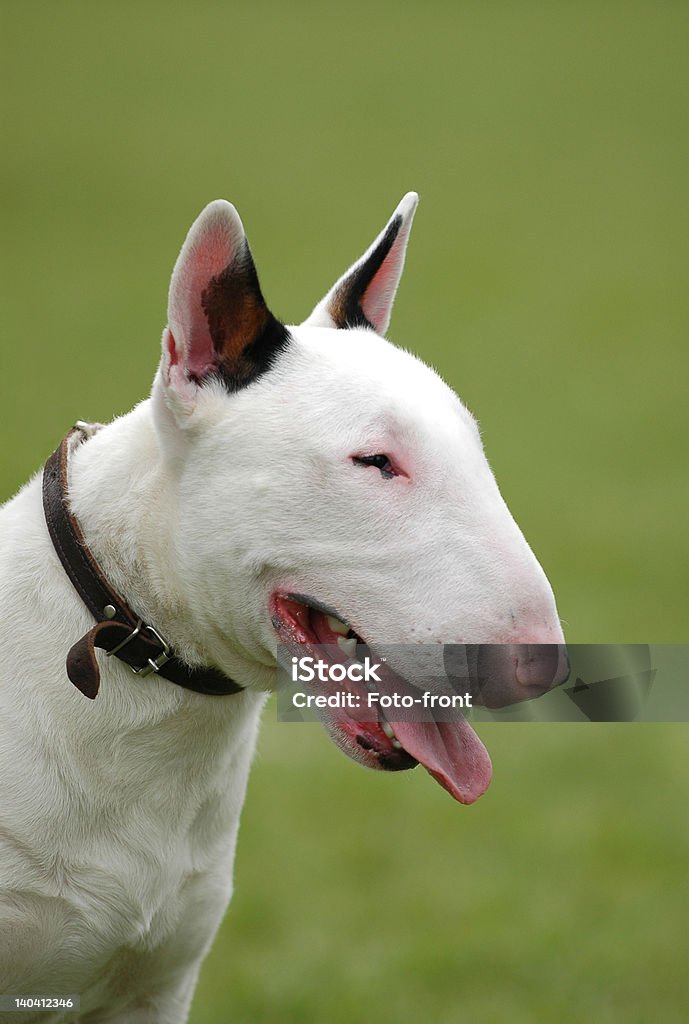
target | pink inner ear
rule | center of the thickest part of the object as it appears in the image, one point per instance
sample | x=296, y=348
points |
x=174, y=372
x=192, y=370
x=203, y=257
x=172, y=352
x=176, y=376
x=380, y=294
x=210, y=260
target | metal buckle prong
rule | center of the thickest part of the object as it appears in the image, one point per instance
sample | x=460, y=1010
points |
x=123, y=643
x=154, y=664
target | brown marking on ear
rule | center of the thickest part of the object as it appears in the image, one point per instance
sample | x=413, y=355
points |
x=246, y=336
x=346, y=304
x=346, y=312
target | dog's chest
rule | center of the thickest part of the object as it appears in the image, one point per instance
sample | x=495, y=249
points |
x=119, y=816
x=156, y=889
x=134, y=876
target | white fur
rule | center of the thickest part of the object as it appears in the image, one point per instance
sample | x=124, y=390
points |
x=119, y=816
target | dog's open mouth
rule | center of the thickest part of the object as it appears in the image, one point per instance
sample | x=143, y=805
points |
x=449, y=750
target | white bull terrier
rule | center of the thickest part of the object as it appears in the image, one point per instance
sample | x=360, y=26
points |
x=311, y=485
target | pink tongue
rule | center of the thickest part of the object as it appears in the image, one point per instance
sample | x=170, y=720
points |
x=451, y=752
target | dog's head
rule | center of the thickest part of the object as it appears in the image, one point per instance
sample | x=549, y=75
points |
x=329, y=488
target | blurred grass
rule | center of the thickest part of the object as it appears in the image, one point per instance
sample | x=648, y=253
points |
x=546, y=280
x=561, y=895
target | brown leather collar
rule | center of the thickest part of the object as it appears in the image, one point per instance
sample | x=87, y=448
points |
x=118, y=629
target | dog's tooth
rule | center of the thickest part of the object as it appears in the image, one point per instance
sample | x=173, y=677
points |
x=387, y=729
x=347, y=647
x=337, y=626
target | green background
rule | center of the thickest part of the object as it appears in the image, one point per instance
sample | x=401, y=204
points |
x=546, y=280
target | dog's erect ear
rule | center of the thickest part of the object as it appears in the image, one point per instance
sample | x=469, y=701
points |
x=363, y=297
x=218, y=322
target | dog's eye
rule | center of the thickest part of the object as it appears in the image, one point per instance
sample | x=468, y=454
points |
x=381, y=462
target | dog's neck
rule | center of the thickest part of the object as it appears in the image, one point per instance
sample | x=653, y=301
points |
x=124, y=495
x=118, y=491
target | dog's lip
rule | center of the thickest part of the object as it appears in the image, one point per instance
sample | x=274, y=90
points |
x=320, y=606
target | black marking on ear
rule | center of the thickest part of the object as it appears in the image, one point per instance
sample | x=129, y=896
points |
x=346, y=306
x=258, y=356
x=246, y=336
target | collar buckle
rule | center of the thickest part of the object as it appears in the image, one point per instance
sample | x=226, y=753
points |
x=154, y=664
